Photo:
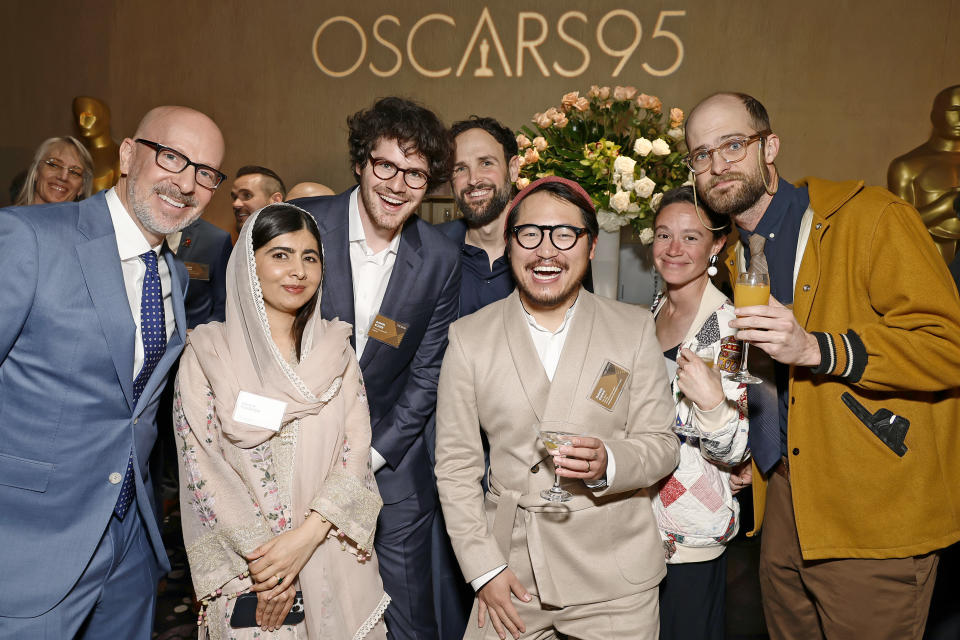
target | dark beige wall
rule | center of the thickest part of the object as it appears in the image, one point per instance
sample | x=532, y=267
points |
x=848, y=84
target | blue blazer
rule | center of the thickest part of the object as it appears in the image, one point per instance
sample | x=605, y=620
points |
x=67, y=416
x=205, y=249
x=423, y=292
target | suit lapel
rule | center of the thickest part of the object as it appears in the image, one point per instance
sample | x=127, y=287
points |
x=333, y=222
x=566, y=380
x=402, y=279
x=533, y=378
x=100, y=264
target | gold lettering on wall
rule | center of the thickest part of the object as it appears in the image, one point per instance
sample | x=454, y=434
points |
x=389, y=45
x=576, y=44
x=531, y=45
x=623, y=54
x=485, y=19
x=485, y=39
x=439, y=73
x=363, y=46
x=660, y=32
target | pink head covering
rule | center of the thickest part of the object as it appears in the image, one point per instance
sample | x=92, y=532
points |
x=536, y=184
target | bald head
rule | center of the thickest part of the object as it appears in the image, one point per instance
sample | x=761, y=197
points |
x=308, y=190
x=755, y=111
x=159, y=200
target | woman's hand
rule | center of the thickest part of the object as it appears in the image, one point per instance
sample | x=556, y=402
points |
x=275, y=565
x=272, y=610
x=697, y=381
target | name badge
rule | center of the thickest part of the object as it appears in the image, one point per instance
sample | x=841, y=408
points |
x=609, y=385
x=198, y=270
x=259, y=411
x=387, y=331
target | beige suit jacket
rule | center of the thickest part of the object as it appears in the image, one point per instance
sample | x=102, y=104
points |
x=603, y=544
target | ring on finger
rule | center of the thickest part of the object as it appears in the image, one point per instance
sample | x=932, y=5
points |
x=279, y=579
x=588, y=466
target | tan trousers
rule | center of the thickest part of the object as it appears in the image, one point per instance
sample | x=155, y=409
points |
x=635, y=617
x=837, y=599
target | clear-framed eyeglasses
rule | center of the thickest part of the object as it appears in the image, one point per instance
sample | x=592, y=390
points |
x=562, y=236
x=175, y=162
x=53, y=165
x=413, y=177
x=732, y=150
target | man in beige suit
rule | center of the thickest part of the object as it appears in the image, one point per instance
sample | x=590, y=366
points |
x=553, y=353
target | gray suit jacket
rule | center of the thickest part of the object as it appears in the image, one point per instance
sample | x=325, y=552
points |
x=603, y=544
x=67, y=417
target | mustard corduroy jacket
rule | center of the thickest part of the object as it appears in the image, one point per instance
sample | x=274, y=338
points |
x=874, y=286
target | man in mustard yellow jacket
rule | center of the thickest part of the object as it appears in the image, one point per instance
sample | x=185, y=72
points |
x=855, y=445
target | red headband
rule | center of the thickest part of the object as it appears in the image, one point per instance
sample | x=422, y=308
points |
x=541, y=181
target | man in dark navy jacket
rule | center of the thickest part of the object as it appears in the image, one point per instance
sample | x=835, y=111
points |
x=397, y=280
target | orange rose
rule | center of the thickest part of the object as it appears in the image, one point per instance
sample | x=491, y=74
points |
x=650, y=103
x=676, y=118
x=560, y=122
x=569, y=100
x=624, y=93
x=530, y=156
x=523, y=141
x=582, y=104
x=539, y=143
x=594, y=91
x=604, y=93
x=542, y=120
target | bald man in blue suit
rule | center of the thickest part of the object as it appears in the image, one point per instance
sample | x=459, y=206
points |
x=91, y=321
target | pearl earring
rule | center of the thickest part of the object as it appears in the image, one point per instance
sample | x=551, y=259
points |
x=712, y=269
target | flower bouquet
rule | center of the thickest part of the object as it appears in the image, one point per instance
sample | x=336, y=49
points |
x=620, y=146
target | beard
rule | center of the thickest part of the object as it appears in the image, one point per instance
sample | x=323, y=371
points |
x=486, y=212
x=548, y=299
x=735, y=200
x=150, y=219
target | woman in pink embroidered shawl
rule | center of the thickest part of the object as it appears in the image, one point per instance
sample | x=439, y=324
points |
x=273, y=434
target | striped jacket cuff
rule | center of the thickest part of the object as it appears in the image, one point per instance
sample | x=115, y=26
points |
x=841, y=354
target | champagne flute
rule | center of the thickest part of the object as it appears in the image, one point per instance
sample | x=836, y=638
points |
x=751, y=289
x=553, y=439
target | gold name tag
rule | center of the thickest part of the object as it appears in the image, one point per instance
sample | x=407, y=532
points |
x=387, y=331
x=198, y=270
x=610, y=384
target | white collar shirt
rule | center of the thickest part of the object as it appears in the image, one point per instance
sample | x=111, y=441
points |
x=130, y=245
x=371, y=273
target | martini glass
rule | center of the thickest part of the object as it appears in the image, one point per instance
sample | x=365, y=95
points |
x=553, y=439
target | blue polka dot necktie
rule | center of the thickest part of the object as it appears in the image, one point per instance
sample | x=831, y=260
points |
x=153, y=333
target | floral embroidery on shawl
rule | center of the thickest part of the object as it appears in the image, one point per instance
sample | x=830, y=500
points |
x=200, y=499
x=261, y=457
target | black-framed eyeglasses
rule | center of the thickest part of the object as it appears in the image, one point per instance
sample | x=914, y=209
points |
x=413, y=177
x=175, y=162
x=57, y=168
x=732, y=150
x=562, y=236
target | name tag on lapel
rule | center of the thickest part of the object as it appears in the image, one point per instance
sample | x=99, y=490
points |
x=387, y=331
x=259, y=411
x=198, y=270
x=609, y=385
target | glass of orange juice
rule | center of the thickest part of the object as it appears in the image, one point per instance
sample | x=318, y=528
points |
x=750, y=290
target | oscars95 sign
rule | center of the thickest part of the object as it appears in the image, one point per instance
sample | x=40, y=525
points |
x=533, y=32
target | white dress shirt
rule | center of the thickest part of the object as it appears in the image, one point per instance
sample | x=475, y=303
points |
x=549, y=346
x=130, y=244
x=371, y=273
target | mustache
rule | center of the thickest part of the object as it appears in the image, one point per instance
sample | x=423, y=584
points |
x=726, y=177
x=171, y=191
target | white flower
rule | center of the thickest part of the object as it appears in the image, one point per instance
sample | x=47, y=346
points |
x=646, y=236
x=620, y=201
x=642, y=147
x=624, y=165
x=644, y=187
x=609, y=221
x=655, y=200
x=627, y=181
x=661, y=147
x=676, y=133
